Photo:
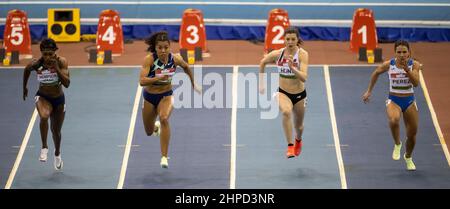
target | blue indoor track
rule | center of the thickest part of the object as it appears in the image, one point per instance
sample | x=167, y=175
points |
x=99, y=116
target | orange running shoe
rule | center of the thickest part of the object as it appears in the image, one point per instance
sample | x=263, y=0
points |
x=298, y=147
x=290, y=153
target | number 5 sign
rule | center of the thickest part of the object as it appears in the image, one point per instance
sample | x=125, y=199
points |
x=109, y=32
x=276, y=25
x=17, y=33
x=364, y=33
x=192, y=30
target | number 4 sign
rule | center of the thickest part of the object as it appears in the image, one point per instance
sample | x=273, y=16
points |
x=17, y=33
x=109, y=32
x=363, y=33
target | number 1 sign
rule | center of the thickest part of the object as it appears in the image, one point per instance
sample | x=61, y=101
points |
x=363, y=33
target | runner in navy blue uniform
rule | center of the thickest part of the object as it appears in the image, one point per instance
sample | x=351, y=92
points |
x=156, y=76
x=51, y=72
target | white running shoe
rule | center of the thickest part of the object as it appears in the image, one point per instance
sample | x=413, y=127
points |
x=409, y=163
x=43, y=155
x=58, y=163
x=396, y=152
x=164, y=162
x=157, y=131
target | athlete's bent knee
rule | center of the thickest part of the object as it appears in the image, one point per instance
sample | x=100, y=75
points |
x=149, y=130
x=286, y=113
x=164, y=119
x=56, y=134
x=411, y=133
x=394, y=121
x=44, y=118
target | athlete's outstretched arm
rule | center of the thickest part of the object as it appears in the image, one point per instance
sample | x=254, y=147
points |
x=373, y=79
x=143, y=79
x=267, y=59
x=180, y=62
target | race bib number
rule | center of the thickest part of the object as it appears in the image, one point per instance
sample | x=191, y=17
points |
x=47, y=76
x=165, y=72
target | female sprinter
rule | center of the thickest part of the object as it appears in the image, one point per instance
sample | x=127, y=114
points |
x=403, y=76
x=52, y=72
x=292, y=64
x=156, y=76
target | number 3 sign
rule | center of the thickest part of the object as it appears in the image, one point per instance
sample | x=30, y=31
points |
x=192, y=30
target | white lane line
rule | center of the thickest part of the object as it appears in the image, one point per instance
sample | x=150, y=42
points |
x=75, y=67
x=128, y=146
x=434, y=118
x=22, y=150
x=334, y=126
x=233, y=128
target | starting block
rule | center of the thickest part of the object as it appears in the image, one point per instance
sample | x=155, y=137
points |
x=363, y=32
x=2, y=54
x=192, y=36
x=190, y=56
x=92, y=55
x=198, y=54
x=371, y=56
x=102, y=57
x=10, y=58
x=17, y=39
x=277, y=23
x=108, y=57
x=15, y=57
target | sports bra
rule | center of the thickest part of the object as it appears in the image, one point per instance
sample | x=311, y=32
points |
x=46, y=76
x=398, y=79
x=283, y=66
x=160, y=69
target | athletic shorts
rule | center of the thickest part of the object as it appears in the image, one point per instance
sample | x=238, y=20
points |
x=154, y=99
x=294, y=97
x=54, y=101
x=402, y=102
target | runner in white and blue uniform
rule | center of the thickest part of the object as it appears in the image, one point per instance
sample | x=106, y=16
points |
x=403, y=76
x=52, y=72
x=156, y=76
